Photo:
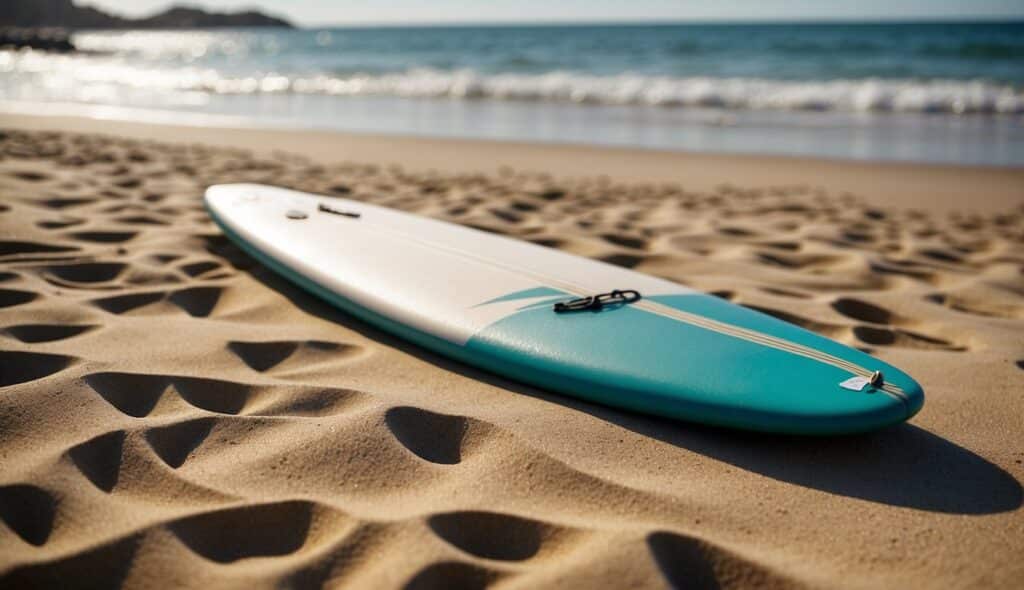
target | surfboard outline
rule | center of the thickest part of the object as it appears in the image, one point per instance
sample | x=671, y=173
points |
x=455, y=350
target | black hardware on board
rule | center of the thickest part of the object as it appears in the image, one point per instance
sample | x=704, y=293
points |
x=597, y=302
x=325, y=208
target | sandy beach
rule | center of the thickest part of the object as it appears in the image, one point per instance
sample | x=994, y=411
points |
x=174, y=414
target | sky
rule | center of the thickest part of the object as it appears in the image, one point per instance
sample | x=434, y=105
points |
x=341, y=12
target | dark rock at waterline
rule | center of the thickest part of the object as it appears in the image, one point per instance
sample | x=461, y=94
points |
x=46, y=39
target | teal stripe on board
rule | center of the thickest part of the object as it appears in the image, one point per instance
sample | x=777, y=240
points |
x=630, y=358
x=525, y=294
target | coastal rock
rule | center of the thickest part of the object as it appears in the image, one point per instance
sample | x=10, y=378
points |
x=187, y=18
x=47, y=39
x=66, y=14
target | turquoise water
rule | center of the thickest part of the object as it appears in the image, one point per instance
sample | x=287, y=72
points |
x=942, y=92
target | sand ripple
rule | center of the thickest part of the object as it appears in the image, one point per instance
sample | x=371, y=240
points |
x=172, y=413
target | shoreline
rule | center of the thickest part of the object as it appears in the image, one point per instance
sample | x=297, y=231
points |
x=941, y=188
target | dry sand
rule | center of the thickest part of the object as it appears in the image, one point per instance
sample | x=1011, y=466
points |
x=173, y=414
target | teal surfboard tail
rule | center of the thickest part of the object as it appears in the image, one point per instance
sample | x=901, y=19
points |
x=678, y=373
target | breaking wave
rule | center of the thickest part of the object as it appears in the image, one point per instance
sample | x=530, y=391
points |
x=78, y=78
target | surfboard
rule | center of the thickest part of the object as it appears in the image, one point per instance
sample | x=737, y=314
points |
x=562, y=322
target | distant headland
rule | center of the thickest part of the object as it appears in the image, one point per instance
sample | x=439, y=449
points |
x=66, y=14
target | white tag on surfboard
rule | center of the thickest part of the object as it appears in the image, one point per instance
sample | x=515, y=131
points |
x=857, y=383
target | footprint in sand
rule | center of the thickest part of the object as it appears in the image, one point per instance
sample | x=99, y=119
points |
x=198, y=302
x=863, y=311
x=13, y=249
x=786, y=293
x=66, y=202
x=977, y=306
x=623, y=260
x=437, y=438
x=877, y=336
x=59, y=223
x=13, y=297
x=198, y=269
x=689, y=562
x=36, y=333
x=626, y=241
x=502, y=537
x=124, y=304
x=280, y=357
x=86, y=274
x=142, y=394
x=29, y=175
x=104, y=237
x=29, y=511
x=259, y=530
x=18, y=367
x=139, y=220
x=175, y=442
x=453, y=574
x=99, y=459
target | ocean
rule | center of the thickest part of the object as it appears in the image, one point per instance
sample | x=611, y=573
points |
x=937, y=92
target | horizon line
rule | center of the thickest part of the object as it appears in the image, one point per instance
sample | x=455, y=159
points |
x=957, y=19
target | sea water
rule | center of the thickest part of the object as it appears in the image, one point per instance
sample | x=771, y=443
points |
x=944, y=92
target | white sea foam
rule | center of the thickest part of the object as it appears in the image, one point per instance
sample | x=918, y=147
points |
x=32, y=75
x=948, y=96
